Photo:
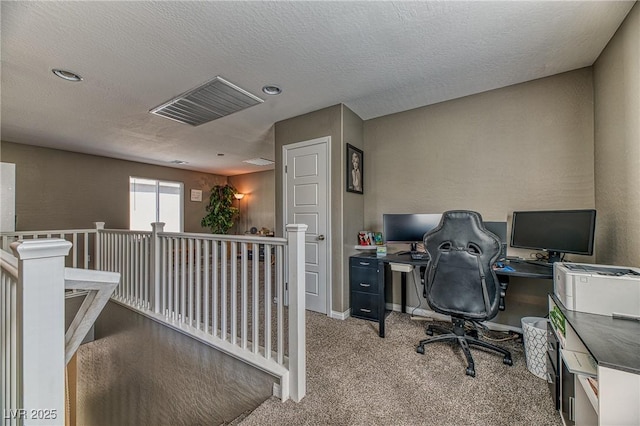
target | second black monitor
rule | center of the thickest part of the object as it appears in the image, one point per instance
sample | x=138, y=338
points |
x=408, y=228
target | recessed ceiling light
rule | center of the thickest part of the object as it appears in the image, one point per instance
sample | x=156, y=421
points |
x=271, y=89
x=179, y=162
x=67, y=75
x=259, y=161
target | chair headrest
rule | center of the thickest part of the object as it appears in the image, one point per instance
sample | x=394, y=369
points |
x=462, y=229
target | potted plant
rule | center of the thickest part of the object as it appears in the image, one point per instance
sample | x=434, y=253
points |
x=220, y=211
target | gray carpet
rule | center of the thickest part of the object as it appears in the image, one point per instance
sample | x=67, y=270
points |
x=356, y=378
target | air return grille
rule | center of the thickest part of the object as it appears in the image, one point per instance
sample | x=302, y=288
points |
x=212, y=100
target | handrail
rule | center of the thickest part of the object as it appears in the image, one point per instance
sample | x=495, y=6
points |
x=9, y=263
x=99, y=286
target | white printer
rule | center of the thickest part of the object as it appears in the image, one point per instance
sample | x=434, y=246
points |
x=598, y=289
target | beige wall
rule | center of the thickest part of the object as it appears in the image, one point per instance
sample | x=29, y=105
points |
x=332, y=122
x=258, y=207
x=527, y=146
x=353, y=205
x=65, y=190
x=617, y=145
x=523, y=147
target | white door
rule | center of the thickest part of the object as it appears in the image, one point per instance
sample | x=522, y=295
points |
x=306, y=200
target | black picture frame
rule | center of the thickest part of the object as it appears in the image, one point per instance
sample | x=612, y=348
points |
x=355, y=169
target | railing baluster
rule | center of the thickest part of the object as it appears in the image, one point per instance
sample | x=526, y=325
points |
x=244, y=294
x=176, y=280
x=280, y=305
x=205, y=281
x=267, y=301
x=190, y=260
x=234, y=292
x=183, y=280
x=74, y=249
x=214, y=288
x=198, y=285
x=86, y=251
x=255, y=315
x=163, y=276
x=146, y=282
x=223, y=290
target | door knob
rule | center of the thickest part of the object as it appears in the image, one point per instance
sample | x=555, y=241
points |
x=320, y=238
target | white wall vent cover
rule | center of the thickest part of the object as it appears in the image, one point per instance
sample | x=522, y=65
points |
x=212, y=100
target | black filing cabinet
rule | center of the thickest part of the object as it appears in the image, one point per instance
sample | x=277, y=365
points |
x=367, y=292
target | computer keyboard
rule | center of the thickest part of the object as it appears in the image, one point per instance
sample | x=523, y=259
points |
x=418, y=255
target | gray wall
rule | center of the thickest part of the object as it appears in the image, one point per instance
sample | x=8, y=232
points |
x=65, y=190
x=617, y=145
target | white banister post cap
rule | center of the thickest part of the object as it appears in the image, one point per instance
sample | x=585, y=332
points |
x=157, y=226
x=296, y=227
x=99, y=225
x=40, y=248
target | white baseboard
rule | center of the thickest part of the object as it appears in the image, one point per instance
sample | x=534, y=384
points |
x=340, y=315
x=427, y=313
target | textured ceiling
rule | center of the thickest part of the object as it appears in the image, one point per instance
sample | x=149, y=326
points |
x=377, y=58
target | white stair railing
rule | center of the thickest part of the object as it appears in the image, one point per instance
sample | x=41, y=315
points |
x=227, y=290
x=212, y=287
x=32, y=332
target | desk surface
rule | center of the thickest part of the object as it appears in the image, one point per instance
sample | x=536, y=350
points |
x=613, y=343
x=520, y=268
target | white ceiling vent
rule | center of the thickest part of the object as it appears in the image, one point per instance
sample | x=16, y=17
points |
x=212, y=100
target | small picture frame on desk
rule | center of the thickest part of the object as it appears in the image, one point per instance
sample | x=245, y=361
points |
x=355, y=169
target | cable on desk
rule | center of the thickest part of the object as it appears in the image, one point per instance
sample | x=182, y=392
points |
x=545, y=257
x=415, y=285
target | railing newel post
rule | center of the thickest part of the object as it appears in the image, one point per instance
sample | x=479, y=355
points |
x=296, y=287
x=97, y=261
x=40, y=316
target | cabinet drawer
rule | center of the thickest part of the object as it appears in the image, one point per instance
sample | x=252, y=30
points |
x=364, y=262
x=364, y=279
x=364, y=305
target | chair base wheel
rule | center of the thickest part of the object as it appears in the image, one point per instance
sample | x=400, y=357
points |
x=507, y=360
x=470, y=372
x=420, y=349
x=429, y=332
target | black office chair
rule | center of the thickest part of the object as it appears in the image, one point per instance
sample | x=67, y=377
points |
x=460, y=280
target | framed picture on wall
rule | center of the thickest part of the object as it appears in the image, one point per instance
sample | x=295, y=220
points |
x=355, y=168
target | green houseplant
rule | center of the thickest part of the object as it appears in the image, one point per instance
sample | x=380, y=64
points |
x=220, y=211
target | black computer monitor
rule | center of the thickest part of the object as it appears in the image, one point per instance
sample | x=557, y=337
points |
x=500, y=229
x=408, y=228
x=554, y=231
